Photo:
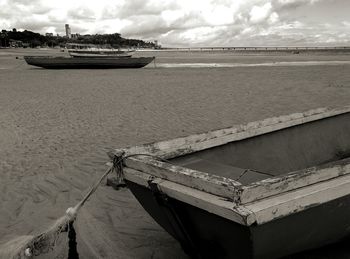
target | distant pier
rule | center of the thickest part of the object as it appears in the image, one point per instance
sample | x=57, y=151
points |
x=252, y=50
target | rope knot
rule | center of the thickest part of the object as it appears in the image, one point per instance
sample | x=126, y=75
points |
x=118, y=165
x=72, y=212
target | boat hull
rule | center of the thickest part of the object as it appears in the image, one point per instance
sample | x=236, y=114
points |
x=265, y=189
x=96, y=54
x=87, y=63
x=206, y=235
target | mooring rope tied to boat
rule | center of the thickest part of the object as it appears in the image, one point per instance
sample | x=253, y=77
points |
x=38, y=243
x=35, y=245
x=28, y=246
x=41, y=243
x=118, y=163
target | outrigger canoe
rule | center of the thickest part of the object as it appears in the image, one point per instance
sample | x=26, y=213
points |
x=87, y=62
x=266, y=189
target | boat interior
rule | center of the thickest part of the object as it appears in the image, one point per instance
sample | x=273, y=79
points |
x=317, y=143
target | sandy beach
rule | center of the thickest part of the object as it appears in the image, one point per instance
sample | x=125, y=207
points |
x=57, y=125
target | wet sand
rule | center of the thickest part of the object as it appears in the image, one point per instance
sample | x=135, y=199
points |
x=56, y=126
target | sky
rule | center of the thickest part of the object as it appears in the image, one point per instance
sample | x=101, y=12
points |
x=190, y=23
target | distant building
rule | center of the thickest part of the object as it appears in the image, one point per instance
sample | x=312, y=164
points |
x=49, y=34
x=15, y=43
x=156, y=45
x=68, y=32
x=75, y=35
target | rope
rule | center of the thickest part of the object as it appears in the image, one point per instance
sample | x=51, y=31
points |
x=118, y=167
x=27, y=246
x=72, y=242
x=43, y=242
x=153, y=156
x=249, y=170
x=118, y=164
x=73, y=211
x=35, y=245
x=20, y=64
x=241, y=175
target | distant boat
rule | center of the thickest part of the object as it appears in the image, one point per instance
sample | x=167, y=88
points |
x=265, y=189
x=51, y=62
x=92, y=50
x=100, y=53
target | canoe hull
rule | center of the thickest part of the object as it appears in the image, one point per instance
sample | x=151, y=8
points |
x=99, y=55
x=194, y=186
x=87, y=63
x=207, y=235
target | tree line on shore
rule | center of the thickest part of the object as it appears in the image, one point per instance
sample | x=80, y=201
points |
x=32, y=39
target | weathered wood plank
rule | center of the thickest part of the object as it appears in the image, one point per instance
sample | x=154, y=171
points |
x=259, y=212
x=234, y=190
x=137, y=177
x=199, y=180
x=294, y=201
x=185, y=145
x=211, y=203
x=276, y=185
x=227, y=187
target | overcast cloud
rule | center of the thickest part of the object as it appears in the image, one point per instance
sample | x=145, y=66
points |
x=190, y=22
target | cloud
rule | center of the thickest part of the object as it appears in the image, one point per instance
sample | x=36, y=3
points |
x=144, y=8
x=82, y=13
x=260, y=13
x=346, y=23
x=184, y=22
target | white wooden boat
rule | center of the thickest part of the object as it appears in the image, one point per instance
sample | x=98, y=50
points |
x=100, y=53
x=265, y=189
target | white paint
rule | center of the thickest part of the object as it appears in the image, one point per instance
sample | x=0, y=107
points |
x=196, y=142
x=299, y=199
x=202, y=181
x=295, y=180
x=203, y=200
x=227, y=187
x=259, y=212
x=258, y=202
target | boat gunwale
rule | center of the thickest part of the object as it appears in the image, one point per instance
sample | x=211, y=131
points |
x=198, y=198
x=225, y=187
x=258, y=212
x=104, y=54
